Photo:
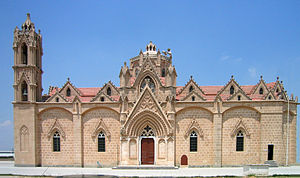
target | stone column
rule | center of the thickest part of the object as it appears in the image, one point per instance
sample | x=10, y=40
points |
x=217, y=139
x=77, y=137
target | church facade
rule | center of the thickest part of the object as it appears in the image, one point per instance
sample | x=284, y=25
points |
x=147, y=119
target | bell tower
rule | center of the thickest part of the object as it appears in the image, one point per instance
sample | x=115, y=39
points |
x=27, y=67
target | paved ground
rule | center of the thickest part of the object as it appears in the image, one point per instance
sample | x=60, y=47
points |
x=8, y=168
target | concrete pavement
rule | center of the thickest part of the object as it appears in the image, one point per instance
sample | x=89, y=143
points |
x=8, y=168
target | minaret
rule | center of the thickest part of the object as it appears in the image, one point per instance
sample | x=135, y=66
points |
x=27, y=67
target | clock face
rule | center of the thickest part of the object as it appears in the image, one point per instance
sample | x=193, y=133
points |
x=149, y=81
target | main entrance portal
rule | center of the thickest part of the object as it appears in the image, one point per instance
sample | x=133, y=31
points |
x=147, y=150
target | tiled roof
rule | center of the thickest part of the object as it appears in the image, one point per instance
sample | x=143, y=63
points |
x=210, y=92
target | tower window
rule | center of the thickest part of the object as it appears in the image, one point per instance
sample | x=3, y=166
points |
x=56, y=142
x=261, y=91
x=240, y=141
x=24, y=91
x=239, y=97
x=231, y=90
x=57, y=99
x=191, y=88
x=24, y=54
x=102, y=98
x=163, y=72
x=148, y=80
x=68, y=92
x=101, y=142
x=108, y=91
x=193, y=141
x=193, y=98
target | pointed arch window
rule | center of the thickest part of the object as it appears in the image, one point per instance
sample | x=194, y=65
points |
x=57, y=99
x=108, y=91
x=24, y=91
x=102, y=99
x=148, y=80
x=24, y=54
x=193, y=98
x=191, y=88
x=231, y=90
x=68, y=92
x=101, y=142
x=261, y=91
x=163, y=72
x=240, y=141
x=239, y=97
x=193, y=141
x=56, y=142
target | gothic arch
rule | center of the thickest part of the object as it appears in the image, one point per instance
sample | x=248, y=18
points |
x=99, y=107
x=237, y=107
x=101, y=126
x=144, y=74
x=156, y=122
x=193, y=107
x=52, y=108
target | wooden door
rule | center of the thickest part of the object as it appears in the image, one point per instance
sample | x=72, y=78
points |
x=270, y=152
x=184, y=160
x=147, y=151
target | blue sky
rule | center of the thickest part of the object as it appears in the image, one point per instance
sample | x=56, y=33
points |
x=88, y=41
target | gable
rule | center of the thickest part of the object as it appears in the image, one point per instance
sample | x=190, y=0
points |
x=73, y=90
x=102, y=97
x=261, y=88
x=57, y=98
x=225, y=92
x=239, y=96
x=191, y=86
x=107, y=91
x=193, y=96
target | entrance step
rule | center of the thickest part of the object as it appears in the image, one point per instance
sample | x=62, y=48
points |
x=271, y=163
x=146, y=167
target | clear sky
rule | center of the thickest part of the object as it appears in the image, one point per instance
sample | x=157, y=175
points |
x=88, y=41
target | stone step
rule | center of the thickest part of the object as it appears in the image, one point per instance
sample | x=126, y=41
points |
x=271, y=163
x=145, y=167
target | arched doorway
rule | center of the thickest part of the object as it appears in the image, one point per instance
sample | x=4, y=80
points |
x=147, y=146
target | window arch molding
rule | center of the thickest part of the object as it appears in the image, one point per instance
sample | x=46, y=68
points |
x=148, y=80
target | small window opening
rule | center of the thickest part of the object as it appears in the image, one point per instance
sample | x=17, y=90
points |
x=57, y=100
x=231, y=90
x=240, y=141
x=68, y=92
x=261, y=91
x=102, y=99
x=191, y=88
x=24, y=54
x=101, y=142
x=193, y=98
x=163, y=72
x=239, y=97
x=24, y=91
x=270, y=98
x=150, y=48
x=193, y=142
x=56, y=142
x=108, y=91
x=277, y=90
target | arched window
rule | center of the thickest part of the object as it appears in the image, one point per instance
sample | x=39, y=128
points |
x=239, y=97
x=24, y=54
x=101, y=142
x=148, y=80
x=108, y=91
x=56, y=142
x=193, y=98
x=68, y=92
x=163, y=72
x=231, y=90
x=270, y=97
x=191, y=88
x=24, y=91
x=57, y=99
x=240, y=141
x=261, y=91
x=102, y=98
x=193, y=141
x=277, y=90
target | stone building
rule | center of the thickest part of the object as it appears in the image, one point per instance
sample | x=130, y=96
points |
x=147, y=119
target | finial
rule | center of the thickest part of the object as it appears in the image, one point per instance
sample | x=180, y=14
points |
x=281, y=81
x=141, y=51
x=261, y=77
x=169, y=49
x=28, y=15
x=39, y=31
x=68, y=79
x=124, y=63
x=277, y=78
x=191, y=77
x=232, y=77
